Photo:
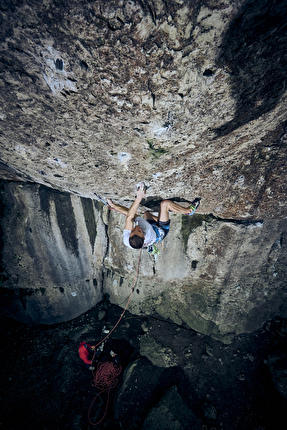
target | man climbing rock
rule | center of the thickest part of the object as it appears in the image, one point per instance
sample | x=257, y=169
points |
x=150, y=229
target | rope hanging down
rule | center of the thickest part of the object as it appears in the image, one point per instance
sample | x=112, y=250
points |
x=117, y=323
x=133, y=287
x=105, y=377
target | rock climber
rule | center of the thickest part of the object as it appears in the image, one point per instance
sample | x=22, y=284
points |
x=86, y=354
x=150, y=229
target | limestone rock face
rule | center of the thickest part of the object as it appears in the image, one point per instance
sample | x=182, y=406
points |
x=219, y=277
x=62, y=252
x=53, y=248
x=188, y=96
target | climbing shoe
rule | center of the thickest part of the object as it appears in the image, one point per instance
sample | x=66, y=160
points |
x=194, y=205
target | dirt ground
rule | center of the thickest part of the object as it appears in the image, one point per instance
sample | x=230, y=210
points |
x=44, y=384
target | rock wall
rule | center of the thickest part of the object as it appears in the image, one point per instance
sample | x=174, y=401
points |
x=219, y=277
x=188, y=96
x=52, y=254
x=61, y=253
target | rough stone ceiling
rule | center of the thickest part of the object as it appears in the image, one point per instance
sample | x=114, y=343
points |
x=188, y=96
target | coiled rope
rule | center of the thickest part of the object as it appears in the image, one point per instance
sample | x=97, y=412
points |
x=105, y=378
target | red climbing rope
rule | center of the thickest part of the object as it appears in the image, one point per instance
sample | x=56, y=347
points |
x=105, y=378
x=133, y=287
x=106, y=375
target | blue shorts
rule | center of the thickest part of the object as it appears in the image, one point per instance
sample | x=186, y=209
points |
x=160, y=227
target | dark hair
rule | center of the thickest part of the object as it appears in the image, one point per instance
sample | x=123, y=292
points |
x=136, y=241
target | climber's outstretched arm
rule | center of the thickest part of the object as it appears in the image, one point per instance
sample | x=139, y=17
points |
x=132, y=212
x=121, y=209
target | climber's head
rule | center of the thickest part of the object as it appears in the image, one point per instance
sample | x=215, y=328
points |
x=136, y=239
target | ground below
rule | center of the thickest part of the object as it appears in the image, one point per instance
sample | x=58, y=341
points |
x=44, y=384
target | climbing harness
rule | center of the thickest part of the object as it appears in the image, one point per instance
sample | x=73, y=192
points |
x=105, y=378
x=160, y=233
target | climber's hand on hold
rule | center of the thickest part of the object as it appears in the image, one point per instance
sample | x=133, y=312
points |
x=141, y=194
x=141, y=191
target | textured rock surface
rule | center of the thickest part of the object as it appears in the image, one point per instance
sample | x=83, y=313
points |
x=219, y=277
x=61, y=252
x=171, y=414
x=54, y=244
x=140, y=381
x=189, y=96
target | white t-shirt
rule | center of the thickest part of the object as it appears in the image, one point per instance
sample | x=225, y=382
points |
x=148, y=231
